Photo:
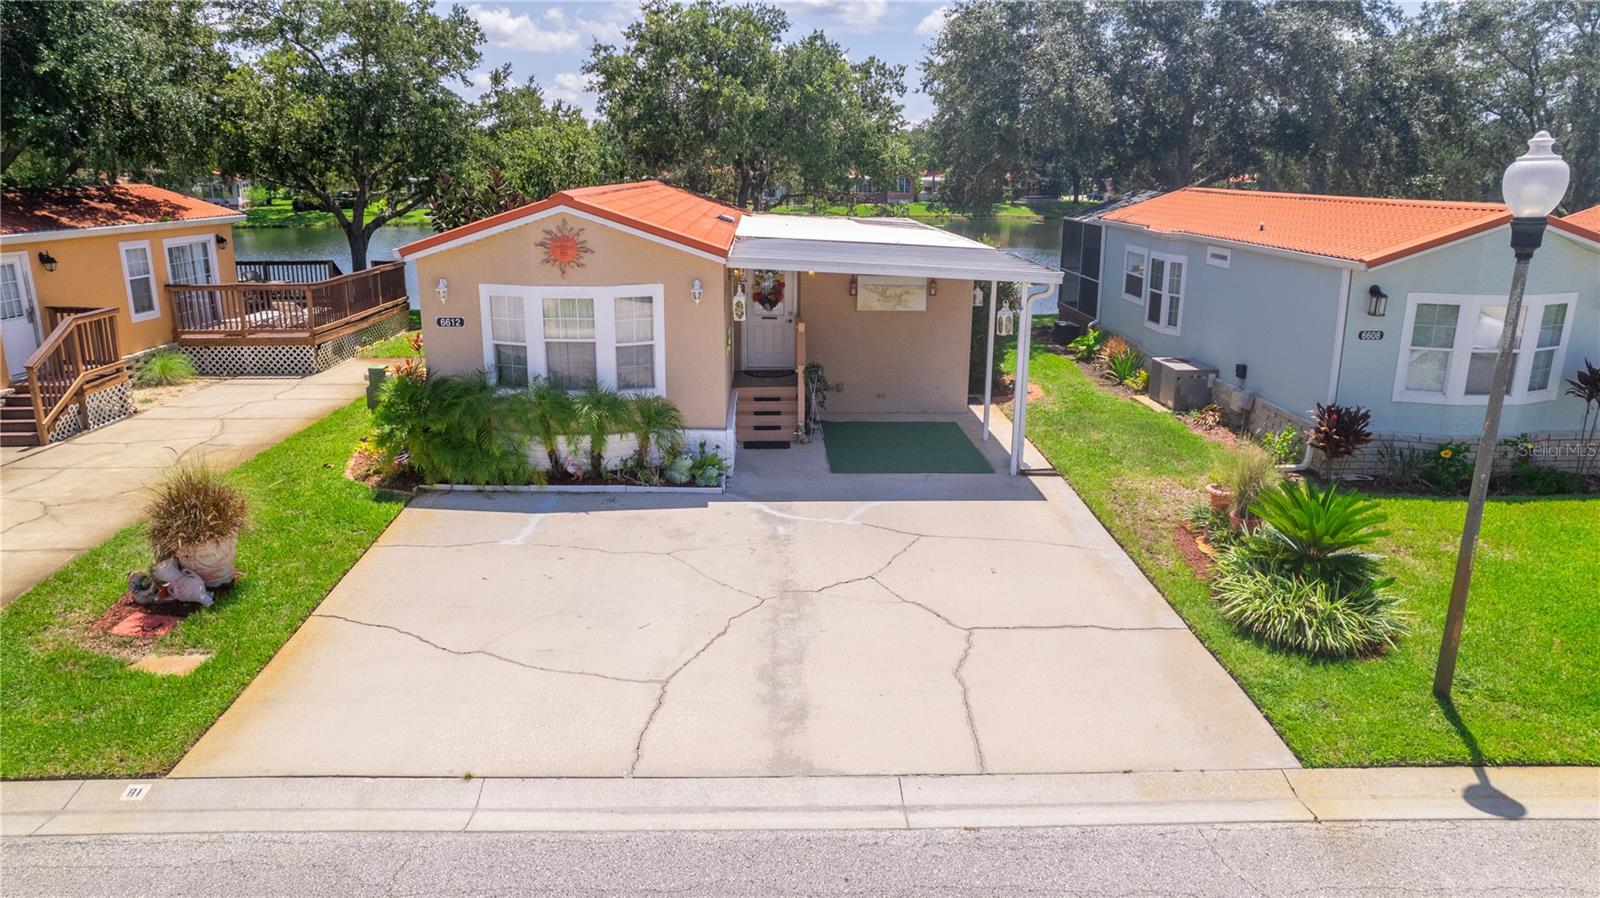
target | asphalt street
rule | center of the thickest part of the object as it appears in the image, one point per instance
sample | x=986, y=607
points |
x=1457, y=859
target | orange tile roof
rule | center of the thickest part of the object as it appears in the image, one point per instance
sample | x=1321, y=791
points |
x=650, y=206
x=25, y=210
x=1368, y=230
x=1585, y=223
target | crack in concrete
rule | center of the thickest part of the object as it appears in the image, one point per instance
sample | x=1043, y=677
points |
x=1296, y=793
x=851, y=520
x=444, y=648
x=661, y=696
x=966, y=702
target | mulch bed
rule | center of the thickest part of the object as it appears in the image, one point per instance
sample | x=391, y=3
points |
x=367, y=466
x=1188, y=544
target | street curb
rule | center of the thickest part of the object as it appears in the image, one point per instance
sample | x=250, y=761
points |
x=438, y=804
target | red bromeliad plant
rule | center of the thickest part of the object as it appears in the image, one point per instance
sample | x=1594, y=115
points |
x=1339, y=431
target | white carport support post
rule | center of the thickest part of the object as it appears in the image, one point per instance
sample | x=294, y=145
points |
x=1019, y=391
x=988, y=368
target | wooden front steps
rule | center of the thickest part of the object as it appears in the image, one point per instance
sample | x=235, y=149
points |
x=17, y=427
x=766, y=413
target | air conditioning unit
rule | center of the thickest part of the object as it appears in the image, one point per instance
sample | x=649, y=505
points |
x=1180, y=384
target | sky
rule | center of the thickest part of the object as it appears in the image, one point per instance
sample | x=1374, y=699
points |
x=550, y=41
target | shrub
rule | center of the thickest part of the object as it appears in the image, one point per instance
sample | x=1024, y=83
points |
x=1318, y=533
x=1304, y=613
x=1284, y=446
x=455, y=429
x=1446, y=467
x=1139, y=381
x=1111, y=346
x=1340, y=430
x=193, y=504
x=550, y=416
x=1124, y=365
x=598, y=412
x=1087, y=344
x=656, y=423
x=1541, y=481
x=165, y=368
x=1401, y=467
x=1245, y=472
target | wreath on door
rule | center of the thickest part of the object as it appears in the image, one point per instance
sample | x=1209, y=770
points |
x=769, y=290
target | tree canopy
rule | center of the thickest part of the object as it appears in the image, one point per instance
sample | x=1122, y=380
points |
x=350, y=98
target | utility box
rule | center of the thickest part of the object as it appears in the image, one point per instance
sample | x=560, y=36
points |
x=1180, y=384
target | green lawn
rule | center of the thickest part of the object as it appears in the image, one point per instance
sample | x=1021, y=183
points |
x=281, y=214
x=1528, y=682
x=1033, y=211
x=397, y=346
x=67, y=711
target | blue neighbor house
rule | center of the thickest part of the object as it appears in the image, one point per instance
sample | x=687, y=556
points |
x=1391, y=304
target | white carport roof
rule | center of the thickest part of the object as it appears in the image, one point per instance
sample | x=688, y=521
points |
x=889, y=246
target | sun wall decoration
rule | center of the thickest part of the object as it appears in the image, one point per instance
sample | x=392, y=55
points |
x=564, y=247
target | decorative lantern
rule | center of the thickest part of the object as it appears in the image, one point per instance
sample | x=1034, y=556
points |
x=933, y=287
x=740, y=301
x=977, y=296
x=1004, y=324
x=1377, y=301
x=442, y=291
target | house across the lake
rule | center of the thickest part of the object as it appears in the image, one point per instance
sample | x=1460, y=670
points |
x=643, y=287
x=1293, y=300
x=92, y=279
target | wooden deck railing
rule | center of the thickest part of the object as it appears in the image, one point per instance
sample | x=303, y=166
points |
x=305, y=271
x=289, y=312
x=81, y=348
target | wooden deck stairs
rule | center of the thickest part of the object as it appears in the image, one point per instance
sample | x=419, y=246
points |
x=766, y=413
x=17, y=426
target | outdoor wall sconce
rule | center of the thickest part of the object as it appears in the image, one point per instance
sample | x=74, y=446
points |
x=1377, y=301
x=852, y=285
x=933, y=287
x=696, y=291
x=739, y=300
x=442, y=291
x=222, y=242
x=47, y=260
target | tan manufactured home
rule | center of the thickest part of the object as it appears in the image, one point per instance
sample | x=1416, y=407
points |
x=644, y=287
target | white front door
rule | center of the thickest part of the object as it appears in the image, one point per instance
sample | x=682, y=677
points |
x=18, y=312
x=768, y=335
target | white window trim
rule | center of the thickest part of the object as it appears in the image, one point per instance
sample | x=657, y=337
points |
x=605, y=327
x=134, y=314
x=210, y=241
x=1166, y=298
x=1223, y=259
x=1456, y=375
x=1122, y=276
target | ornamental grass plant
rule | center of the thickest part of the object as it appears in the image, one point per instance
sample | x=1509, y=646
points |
x=193, y=505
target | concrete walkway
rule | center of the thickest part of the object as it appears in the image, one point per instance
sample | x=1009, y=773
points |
x=60, y=499
x=805, y=624
x=106, y=807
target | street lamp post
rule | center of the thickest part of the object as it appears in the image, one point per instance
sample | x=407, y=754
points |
x=1533, y=186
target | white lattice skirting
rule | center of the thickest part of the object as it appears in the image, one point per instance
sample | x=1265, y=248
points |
x=105, y=406
x=291, y=361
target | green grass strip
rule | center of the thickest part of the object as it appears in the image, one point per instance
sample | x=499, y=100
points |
x=1528, y=684
x=66, y=711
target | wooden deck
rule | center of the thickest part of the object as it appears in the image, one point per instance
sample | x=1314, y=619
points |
x=285, y=313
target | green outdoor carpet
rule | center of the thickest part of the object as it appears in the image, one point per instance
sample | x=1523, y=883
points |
x=901, y=447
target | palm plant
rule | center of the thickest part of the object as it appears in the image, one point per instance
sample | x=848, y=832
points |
x=1585, y=385
x=656, y=422
x=598, y=413
x=1318, y=533
x=550, y=417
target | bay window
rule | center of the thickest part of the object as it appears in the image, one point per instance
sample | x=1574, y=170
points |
x=1450, y=341
x=575, y=336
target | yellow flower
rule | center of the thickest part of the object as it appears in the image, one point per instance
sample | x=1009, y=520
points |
x=1445, y=453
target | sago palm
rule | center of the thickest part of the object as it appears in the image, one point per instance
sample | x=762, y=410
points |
x=1320, y=533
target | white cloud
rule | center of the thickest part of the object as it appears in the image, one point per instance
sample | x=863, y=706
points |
x=572, y=87
x=933, y=22
x=519, y=31
x=856, y=15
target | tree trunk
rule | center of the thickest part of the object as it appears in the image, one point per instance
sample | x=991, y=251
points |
x=358, y=238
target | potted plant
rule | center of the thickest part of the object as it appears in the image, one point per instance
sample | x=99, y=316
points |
x=195, y=517
x=1238, y=479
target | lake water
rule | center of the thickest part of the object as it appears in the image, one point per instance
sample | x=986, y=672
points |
x=1036, y=240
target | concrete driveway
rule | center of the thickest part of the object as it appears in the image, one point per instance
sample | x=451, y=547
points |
x=803, y=624
x=60, y=499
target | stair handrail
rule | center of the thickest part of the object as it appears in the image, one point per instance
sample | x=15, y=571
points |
x=74, y=349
